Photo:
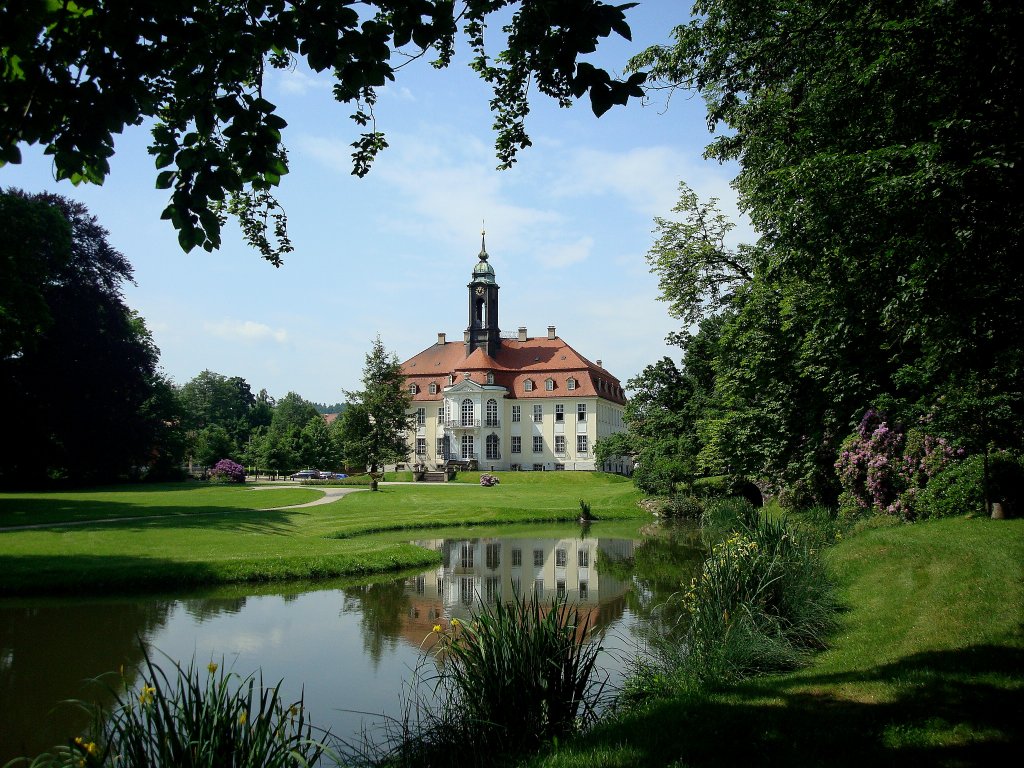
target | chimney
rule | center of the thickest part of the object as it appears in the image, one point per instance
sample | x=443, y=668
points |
x=522, y=333
x=440, y=339
x=599, y=364
x=551, y=331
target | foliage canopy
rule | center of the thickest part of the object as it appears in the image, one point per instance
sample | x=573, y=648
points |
x=73, y=73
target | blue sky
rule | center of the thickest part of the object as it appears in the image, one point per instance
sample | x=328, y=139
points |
x=390, y=254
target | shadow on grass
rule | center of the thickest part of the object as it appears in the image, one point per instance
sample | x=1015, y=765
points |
x=952, y=708
x=101, y=515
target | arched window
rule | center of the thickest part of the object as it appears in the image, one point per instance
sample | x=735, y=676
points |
x=467, y=413
x=413, y=389
x=571, y=383
x=528, y=385
x=492, y=447
x=549, y=384
x=490, y=377
x=492, y=413
x=433, y=388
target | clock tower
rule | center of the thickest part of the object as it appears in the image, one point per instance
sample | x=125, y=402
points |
x=483, y=332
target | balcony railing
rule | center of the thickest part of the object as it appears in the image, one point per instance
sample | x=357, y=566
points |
x=495, y=422
x=460, y=423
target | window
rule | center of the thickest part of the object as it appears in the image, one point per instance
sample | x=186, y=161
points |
x=538, y=444
x=559, y=412
x=492, y=589
x=538, y=414
x=441, y=448
x=538, y=586
x=571, y=383
x=467, y=413
x=581, y=411
x=413, y=389
x=559, y=467
x=538, y=467
x=490, y=377
x=492, y=413
x=421, y=585
x=549, y=384
x=433, y=388
x=421, y=417
x=561, y=557
x=584, y=591
x=491, y=448
x=517, y=557
x=528, y=385
x=517, y=444
x=466, y=555
x=467, y=448
x=583, y=558
x=559, y=445
x=421, y=446
x=560, y=588
x=492, y=556
x=451, y=379
x=538, y=558
x=466, y=590
x=581, y=445
x=517, y=413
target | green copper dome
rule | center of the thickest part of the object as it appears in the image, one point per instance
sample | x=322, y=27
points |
x=482, y=271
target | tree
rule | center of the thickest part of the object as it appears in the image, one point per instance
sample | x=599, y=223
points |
x=293, y=413
x=317, y=447
x=197, y=69
x=379, y=412
x=122, y=420
x=878, y=145
x=212, y=444
x=353, y=427
x=697, y=274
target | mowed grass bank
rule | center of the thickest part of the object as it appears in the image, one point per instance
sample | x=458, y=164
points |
x=926, y=670
x=172, y=537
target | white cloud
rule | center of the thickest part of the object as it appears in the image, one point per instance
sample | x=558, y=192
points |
x=559, y=256
x=299, y=81
x=246, y=331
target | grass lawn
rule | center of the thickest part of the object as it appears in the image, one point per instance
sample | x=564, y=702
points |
x=927, y=669
x=188, y=535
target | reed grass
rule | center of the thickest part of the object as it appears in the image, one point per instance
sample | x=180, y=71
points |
x=192, y=718
x=516, y=677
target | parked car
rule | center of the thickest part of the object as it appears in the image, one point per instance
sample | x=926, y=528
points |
x=306, y=474
x=333, y=475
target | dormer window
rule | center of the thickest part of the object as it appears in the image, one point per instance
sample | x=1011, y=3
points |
x=433, y=388
x=549, y=384
x=490, y=377
x=571, y=383
x=451, y=379
x=413, y=389
x=528, y=385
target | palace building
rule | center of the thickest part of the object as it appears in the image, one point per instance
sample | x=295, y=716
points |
x=509, y=401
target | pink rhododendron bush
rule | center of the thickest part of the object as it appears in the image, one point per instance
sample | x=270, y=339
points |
x=883, y=468
x=227, y=471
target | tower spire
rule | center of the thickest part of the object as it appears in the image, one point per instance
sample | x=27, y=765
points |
x=483, y=242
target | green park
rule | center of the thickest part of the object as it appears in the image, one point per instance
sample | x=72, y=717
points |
x=237, y=530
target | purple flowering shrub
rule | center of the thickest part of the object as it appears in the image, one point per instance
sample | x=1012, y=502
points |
x=227, y=471
x=488, y=480
x=883, y=469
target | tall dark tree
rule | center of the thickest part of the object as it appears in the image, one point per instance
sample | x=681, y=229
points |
x=878, y=145
x=380, y=419
x=197, y=69
x=92, y=353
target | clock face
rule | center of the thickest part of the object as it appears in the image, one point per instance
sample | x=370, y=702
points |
x=479, y=290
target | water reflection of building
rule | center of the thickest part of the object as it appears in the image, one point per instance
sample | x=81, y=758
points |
x=484, y=570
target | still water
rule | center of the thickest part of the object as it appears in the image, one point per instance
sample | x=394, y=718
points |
x=348, y=649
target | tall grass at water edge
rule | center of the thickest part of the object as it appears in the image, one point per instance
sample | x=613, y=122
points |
x=762, y=602
x=191, y=718
x=516, y=677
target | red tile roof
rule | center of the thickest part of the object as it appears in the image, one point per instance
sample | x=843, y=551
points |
x=538, y=359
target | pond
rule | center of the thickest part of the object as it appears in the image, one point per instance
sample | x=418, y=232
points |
x=348, y=648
